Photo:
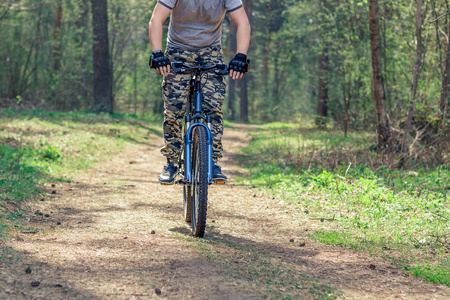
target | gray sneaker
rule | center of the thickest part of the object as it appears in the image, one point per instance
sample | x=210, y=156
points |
x=217, y=173
x=168, y=174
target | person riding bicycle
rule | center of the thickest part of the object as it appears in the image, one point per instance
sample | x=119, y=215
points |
x=194, y=36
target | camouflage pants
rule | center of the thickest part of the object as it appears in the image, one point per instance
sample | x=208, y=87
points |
x=175, y=89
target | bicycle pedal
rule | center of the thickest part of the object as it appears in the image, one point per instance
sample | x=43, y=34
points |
x=172, y=183
x=220, y=182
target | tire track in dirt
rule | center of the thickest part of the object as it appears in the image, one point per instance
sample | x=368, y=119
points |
x=117, y=234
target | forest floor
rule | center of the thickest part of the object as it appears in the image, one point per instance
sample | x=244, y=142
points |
x=116, y=233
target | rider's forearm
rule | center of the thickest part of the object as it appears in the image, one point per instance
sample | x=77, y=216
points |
x=243, y=38
x=155, y=33
x=155, y=27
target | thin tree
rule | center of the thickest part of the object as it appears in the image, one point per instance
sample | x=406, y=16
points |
x=322, y=105
x=378, y=95
x=57, y=39
x=232, y=46
x=415, y=75
x=103, y=101
x=243, y=94
x=445, y=93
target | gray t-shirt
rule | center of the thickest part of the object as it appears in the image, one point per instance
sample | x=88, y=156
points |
x=196, y=24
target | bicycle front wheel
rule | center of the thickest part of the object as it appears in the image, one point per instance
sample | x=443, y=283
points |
x=199, y=181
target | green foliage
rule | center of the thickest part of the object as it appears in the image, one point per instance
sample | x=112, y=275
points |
x=21, y=171
x=50, y=66
x=46, y=65
x=432, y=273
x=286, y=52
x=357, y=204
x=51, y=153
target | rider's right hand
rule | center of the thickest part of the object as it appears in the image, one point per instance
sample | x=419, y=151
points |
x=159, y=62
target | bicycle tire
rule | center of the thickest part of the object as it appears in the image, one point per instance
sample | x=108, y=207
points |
x=199, y=203
x=187, y=192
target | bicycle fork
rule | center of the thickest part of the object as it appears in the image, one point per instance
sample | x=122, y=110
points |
x=188, y=152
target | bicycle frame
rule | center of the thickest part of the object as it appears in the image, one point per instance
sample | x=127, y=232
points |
x=196, y=98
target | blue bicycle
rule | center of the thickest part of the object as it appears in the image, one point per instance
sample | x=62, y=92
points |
x=196, y=161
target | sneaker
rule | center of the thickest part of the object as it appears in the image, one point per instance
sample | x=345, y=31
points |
x=169, y=173
x=217, y=173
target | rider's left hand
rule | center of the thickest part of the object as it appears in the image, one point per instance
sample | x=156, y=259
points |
x=238, y=66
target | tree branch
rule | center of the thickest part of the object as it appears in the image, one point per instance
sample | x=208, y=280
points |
x=440, y=17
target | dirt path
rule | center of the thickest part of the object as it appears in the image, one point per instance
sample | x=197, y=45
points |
x=118, y=234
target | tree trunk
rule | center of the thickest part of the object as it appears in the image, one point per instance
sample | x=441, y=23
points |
x=415, y=75
x=322, y=108
x=135, y=82
x=231, y=82
x=438, y=39
x=445, y=93
x=244, y=99
x=266, y=73
x=347, y=114
x=103, y=101
x=322, y=105
x=385, y=65
x=57, y=39
x=276, y=82
x=347, y=93
x=38, y=38
x=243, y=86
x=383, y=129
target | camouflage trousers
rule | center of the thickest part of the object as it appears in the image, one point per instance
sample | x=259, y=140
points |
x=175, y=89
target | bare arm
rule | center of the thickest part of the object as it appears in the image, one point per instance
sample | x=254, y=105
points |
x=240, y=20
x=155, y=32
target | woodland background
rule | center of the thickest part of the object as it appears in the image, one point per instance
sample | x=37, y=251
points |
x=309, y=59
x=351, y=100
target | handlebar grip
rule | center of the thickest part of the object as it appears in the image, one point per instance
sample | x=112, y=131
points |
x=221, y=69
x=178, y=67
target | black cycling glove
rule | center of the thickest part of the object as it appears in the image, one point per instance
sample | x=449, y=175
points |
x=239, y=63
x=158, y=60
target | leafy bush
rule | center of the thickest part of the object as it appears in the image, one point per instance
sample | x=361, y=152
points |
x=51, y=153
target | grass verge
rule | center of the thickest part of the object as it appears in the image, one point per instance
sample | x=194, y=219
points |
x=353, y=199
x=40, y=147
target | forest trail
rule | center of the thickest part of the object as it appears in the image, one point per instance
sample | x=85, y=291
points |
x=118, y=234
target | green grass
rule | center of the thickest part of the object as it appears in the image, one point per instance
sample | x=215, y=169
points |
x=40, y=147
x=354, y=199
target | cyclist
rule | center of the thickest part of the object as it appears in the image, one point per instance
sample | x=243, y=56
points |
x=194, y=36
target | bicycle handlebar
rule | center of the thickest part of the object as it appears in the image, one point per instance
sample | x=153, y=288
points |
x=179, y=67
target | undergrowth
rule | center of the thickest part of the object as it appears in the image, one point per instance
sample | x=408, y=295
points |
x=355, y=198
x=40, y=147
